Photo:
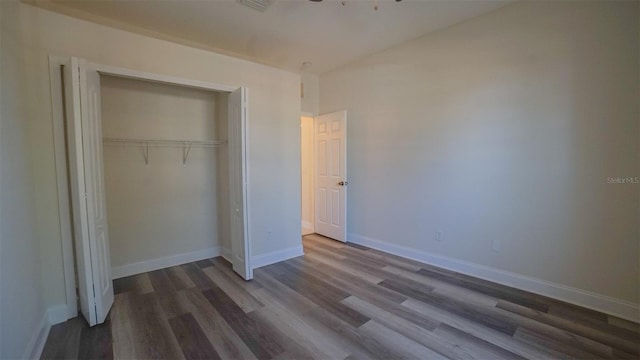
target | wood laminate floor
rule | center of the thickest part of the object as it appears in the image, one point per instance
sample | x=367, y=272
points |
x=338, y=301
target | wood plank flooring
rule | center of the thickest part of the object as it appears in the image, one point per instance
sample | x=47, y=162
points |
x=338, y=301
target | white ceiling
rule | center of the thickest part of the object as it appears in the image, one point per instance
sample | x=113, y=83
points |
x=290, y=32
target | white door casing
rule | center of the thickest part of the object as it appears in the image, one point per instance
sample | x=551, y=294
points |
x=82, y=88
x=331, y=175
x=240, y=246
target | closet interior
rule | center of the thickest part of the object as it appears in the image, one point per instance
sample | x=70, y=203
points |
x=166, y=171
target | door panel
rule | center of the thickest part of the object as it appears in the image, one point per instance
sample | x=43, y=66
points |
x=331, y=172
x=335, y=210
x=84, y=136
x=335, y=158
x=96, y=199
x=240, y=248
x=78, y=204
x=322, y=205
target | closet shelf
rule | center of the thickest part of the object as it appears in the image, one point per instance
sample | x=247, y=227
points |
x=165, y=143
x=186, y=145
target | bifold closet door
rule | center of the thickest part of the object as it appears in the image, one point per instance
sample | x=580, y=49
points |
x=240, y=248
x=84, y=136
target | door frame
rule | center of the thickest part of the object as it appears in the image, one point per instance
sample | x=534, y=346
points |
x=61, y=163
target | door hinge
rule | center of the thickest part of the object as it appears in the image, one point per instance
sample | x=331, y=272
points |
x=95, y=303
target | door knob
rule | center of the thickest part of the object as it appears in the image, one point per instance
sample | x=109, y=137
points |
x=343, y=183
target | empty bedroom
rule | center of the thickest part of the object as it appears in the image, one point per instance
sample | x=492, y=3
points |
x=319, y=179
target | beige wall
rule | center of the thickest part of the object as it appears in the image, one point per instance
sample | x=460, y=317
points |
x=306, y=169
x=163, y=208
x=311, y=99
x=21, y=305
x=274, y=127
x=504, y=128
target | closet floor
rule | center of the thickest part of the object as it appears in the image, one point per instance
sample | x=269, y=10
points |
x=337, y=301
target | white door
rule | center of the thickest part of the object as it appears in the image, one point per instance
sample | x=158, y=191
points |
x=95, y=287
x=240, y=246
x=331, y=175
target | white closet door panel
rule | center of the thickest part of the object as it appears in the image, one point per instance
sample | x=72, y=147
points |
x=95, y=287
x=96, y=199
x=78, y=191
x=240, y=247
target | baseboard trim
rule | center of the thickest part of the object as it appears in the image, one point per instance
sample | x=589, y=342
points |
x=226, y=254
x=606, y=304
x=307, y=227
x=39, y=338
x=57, y=314
x=161, y=263
x=276, y=256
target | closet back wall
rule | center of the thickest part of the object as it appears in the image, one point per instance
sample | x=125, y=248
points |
x=162, y=208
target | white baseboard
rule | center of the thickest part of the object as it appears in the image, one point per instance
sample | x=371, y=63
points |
x=307, y=227
x=39, y=338
x=226, y=253
x=276, y=256
x=606, y=304
x=161, y=263
x=57, y=314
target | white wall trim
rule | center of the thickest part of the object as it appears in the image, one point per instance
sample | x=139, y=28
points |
x=307, y=227
x=276, y=256
x=226, y=254
x=38, y=339
x=165, y=79
x=64, y=208
x=58, y=314
x=606, y=304
x=164, y=262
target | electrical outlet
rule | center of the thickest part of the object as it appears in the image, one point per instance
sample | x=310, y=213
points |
x=438, y=236
x=495, y=245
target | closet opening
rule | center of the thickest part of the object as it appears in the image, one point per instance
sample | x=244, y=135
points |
x=155, y=175
x=166, y=173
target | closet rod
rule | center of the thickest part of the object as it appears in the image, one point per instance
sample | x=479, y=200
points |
x=186, y=145
x=166, y=143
